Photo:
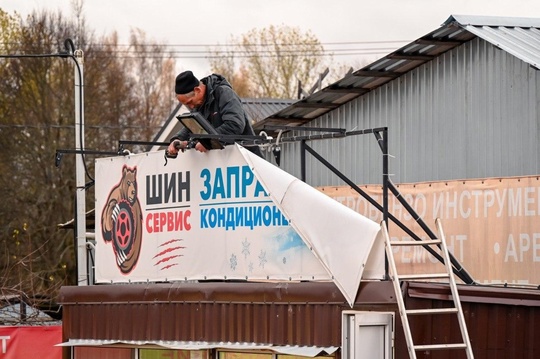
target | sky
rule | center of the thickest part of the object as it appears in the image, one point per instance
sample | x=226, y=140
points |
x=355, y=25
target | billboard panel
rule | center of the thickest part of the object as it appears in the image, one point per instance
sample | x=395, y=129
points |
x=491, y=225
x=30, y=342
x=224, y=214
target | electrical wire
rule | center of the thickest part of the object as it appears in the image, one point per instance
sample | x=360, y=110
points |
x=210, y=51
x=248, y=45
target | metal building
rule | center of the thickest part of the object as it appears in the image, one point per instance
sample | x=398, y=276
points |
x=459, y=102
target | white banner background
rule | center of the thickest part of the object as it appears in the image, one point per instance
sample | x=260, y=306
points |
x=213, y=216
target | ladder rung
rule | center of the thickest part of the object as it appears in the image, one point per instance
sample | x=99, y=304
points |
x=415, y=243
x=440, y=346
x=447, y=276
x=432, y=311
x=423, y=276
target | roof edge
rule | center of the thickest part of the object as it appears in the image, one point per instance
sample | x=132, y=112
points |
x=472, y=20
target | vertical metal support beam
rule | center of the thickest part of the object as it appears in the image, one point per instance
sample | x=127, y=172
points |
x=80, y=209
x=384, y=148
x=382, y=140
x=303, y=160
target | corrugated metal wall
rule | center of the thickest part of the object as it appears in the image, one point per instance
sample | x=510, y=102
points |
x=471, y=113
x=502, y=322
x=209, y=322
x=306, y=314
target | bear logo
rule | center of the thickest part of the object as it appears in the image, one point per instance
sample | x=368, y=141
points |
x=121, y=221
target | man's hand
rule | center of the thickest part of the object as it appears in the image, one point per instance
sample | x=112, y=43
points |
x=174, y=146
x=199, y=147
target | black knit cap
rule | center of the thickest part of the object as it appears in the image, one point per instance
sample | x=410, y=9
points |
x=185, y=83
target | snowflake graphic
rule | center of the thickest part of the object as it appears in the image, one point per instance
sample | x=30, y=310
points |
x=233, y=262
x=250, y=267
x=245, y=248
x=262, y=258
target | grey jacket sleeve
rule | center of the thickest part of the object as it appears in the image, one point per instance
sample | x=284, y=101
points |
x=182, y=135
x=231, y=111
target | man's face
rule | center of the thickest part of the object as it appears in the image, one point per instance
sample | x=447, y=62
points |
x=192, y=100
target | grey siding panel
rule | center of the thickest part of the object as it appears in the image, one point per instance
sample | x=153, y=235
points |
x=472, y=112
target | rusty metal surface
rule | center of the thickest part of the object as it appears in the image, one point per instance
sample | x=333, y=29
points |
x=243, y=292
x=282, y=314
x=477, y=294
x=502, y=322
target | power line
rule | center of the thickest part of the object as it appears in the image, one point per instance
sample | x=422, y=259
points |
x=197, y=51
x=69, y=127
x=261, y=44
x=166, y=56
x=259, y=52
x=263, y=52
x=193, y=51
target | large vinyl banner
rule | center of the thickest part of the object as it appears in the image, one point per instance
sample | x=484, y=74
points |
x=224, y=214
x=30, y=342
x=492, y=226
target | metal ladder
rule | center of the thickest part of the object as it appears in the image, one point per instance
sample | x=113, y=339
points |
x=439, y=243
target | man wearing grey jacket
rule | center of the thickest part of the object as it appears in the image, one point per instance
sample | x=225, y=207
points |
x=214, y=98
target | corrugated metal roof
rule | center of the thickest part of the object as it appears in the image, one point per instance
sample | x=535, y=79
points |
x=523, y=296
x=296, y=350
x=258, y=109
x=11, y=314
x=518, y=36
x=14, y=311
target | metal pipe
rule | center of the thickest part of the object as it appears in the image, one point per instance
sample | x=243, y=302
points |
x=303, y=147
x=384, y=146
x=82, y=263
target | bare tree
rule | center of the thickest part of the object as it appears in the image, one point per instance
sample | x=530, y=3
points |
x=272, y=60
x=128, y=95
x=152, y=70
x=34, y=119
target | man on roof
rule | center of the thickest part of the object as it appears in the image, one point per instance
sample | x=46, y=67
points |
x=214, y=98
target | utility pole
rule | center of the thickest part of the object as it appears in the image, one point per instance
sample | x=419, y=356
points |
x=82, y=262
